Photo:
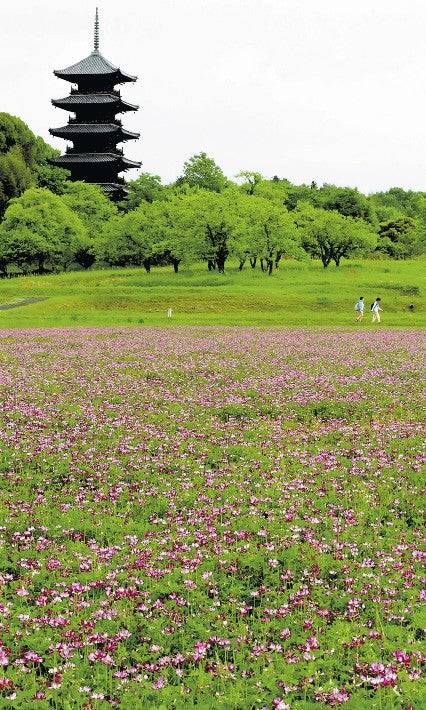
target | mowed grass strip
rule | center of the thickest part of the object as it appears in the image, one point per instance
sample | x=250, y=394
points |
x=297, y=294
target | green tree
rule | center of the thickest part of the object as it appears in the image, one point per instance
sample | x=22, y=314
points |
x=173, y=230
x=146, y=188
x=406, y=202
x=215, y=223
x=265, y=231
x=14, y=132
x=397, y=203
x=202, y=171
x=94, y=209
x=345, y=200
x=53, y=178
x=24, y=161
x=40, y=231
x=330, y=236
x=15, y=176
x=126, y=240
x=251, y=181
x=293, y=194
x=400, y=238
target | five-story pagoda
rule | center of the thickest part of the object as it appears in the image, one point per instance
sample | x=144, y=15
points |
x=94, y=130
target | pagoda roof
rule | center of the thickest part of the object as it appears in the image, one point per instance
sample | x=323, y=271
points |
x=79, y=129
x=112, y=187
x=93, y=65
x=94, y=99
x=98, y=158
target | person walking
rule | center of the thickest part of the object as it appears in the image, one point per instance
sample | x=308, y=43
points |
x=375, y=309
x=359, y=307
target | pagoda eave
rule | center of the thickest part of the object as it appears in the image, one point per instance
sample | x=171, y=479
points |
x=78, y=130
x=110, y=187
x=95, y=66
x=119, y=161
x=117, y=77
x=78, y=101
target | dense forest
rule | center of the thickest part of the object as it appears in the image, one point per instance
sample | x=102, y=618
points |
x=48, y=223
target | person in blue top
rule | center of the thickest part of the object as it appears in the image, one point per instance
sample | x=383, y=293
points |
x=359, y=307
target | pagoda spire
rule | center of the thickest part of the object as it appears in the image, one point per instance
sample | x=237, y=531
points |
x=96, y=43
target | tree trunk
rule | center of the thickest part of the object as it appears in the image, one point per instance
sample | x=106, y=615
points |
x=211, y=265
x=147, y=265
x=262, y=266
x=220, y=261
x=241, y=264
x=253, y=262
x=270, y=264
x=175, y=263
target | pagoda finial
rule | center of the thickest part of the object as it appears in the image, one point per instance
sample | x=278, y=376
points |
x=96, y=46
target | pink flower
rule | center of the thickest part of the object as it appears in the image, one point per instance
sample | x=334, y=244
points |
x=279, y=704
x=32, y=657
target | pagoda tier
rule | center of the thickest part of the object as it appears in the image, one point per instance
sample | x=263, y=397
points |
x=94, y=136
x=72, y=131
x=115, y=160
x=95, y=65
x=92, y=104
x=94, y=129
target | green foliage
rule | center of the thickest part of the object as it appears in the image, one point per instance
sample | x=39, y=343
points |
x=400, y=238
x=329, y=236
x=215, y=223
x=202, y=171
x=251, y=181
x=94, y=210
x=53, y=178
x=146, y=188
x=266, y=231
x=15, y=176
x=347, y=201
x=14, y=132
x=204, y=216
x=24, y=161
x=40, y=232
x=126, y=240
x=173, y=232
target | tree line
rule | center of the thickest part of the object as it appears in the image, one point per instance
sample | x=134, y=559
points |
x=49, y=223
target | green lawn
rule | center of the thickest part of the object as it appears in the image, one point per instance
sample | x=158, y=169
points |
x=296, y=295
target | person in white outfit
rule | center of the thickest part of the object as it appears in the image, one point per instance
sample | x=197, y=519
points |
x=375, y=309
x=359, y=307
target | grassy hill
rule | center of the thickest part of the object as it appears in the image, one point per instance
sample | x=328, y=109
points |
x=296, y=295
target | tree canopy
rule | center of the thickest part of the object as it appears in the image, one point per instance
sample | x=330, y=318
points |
x=202, y=171
x=49, y=223
x=330, y=236
x=39, y=232
x=24, y=161
x=146, y=188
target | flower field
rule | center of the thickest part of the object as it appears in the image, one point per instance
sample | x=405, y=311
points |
x=212, y=518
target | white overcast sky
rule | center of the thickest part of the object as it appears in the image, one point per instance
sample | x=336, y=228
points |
x=331, y=90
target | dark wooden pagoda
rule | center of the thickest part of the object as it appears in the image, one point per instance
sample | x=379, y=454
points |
x=94, y=129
